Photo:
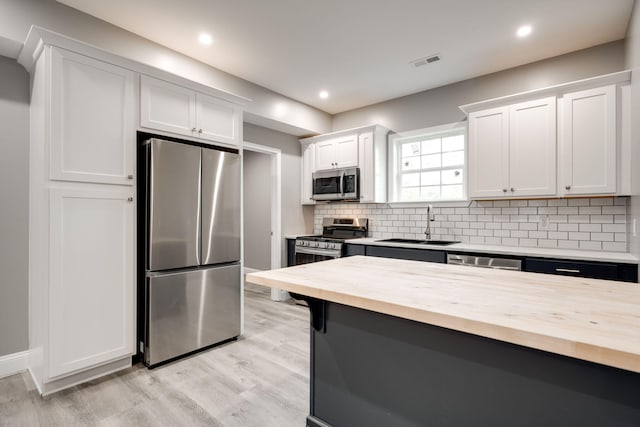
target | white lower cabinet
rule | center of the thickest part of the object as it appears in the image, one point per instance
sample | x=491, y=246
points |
x=91, y=289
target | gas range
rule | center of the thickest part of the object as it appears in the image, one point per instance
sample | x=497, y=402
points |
x=330, y=244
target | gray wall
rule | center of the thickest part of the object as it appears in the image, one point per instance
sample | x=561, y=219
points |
x=257, y=210
x=14, y=193
x=440, y=106
x=633, y=63
x=296, y=219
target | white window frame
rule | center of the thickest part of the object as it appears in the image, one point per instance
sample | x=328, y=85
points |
x=394, y=175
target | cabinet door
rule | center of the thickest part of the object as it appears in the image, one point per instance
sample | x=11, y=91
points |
x=92, y=110
x=346, y=151
x=92, y=278
x=217, y=120
x=308, y=161
x=165, y=106
x=532, y=148
x=489, y=153
x=367, y=167
x=325, y=155
x=589, y=142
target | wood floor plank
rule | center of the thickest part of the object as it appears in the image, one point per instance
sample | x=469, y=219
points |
x=260, y=380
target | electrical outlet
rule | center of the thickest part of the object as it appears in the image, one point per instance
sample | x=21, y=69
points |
x=543, y=222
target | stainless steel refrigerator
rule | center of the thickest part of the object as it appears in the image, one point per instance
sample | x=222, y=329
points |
x=192, y=232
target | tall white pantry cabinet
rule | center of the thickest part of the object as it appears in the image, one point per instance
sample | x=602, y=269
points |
x=82, y=205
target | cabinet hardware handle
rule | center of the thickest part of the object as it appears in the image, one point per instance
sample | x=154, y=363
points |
x=567, y=270
x=568, y=187
x=199, y=130
x=130, y=199
x=504, y=190
x=129, y=176
x=513, y=189
x=193, y=129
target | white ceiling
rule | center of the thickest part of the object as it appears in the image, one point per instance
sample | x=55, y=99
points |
x=359, y=50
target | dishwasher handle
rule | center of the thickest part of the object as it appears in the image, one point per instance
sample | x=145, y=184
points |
x=485, y=262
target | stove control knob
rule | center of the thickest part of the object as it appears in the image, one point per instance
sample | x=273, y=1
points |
x=322, y=244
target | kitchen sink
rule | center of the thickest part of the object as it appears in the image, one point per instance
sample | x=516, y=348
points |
x=420, y=242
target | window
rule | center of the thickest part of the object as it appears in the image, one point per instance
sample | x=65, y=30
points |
x=428, y=164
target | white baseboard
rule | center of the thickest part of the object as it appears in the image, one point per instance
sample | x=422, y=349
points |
x=14, y=363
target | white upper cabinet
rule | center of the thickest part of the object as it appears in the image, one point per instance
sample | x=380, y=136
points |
x=489, y=153
x=165, y=106
x=532, y=148
x=341, y=152
x=90, y=315
x=574, y=142
x=92, y=120
x=364, y=148
x=308, y=165
x=217, y=120
x=512, y=150
x=171, y=108
x=589, y=142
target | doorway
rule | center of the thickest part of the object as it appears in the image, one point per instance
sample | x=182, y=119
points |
x=262, y=201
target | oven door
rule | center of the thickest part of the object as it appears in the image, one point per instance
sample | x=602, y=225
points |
x=307, y=256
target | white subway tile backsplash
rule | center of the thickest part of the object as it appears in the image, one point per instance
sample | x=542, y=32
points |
x=614, y=246
x=568, y=210
x=578, y=202
x=568, y=227
x=614, y=210
x=557, y=202
x=584, y=223
x=579, y=236
x=603, y=237
x=591, y=245
x=590, y=210
x=595, y=228
x=568, y=244
x=604, y=201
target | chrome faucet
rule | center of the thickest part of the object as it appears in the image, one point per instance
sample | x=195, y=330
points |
x=430, y=217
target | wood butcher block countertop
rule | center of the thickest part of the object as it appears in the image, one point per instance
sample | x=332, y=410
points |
x=589, y=319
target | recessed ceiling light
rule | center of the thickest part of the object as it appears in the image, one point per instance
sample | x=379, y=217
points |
x=323, y=94
x=524, y=31
x=205, y=39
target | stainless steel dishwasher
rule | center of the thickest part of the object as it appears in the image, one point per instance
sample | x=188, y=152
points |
x=485, y=262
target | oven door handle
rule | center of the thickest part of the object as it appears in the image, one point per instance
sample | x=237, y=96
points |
x=318, y=251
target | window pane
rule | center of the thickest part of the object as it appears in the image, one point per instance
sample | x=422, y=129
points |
x=453, y=143
x=410, y=163
x=431, y=146
x=451, y=192
x=410, y=179
x=430, y=178
x=410, y=149
x=430, y=193
x=452, y=176
x=410, y=194
x=431, y=161
x=454, y=158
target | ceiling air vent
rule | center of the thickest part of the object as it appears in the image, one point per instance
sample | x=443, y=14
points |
x=426, y=60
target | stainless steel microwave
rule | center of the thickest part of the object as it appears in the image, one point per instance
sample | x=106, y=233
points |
x=336, y=184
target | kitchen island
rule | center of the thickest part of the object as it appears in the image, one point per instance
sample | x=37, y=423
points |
x=405, y=343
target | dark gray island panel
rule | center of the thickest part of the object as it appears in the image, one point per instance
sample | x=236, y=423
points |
x=372, y=369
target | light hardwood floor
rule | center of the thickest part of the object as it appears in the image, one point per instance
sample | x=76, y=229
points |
x=260, y=380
